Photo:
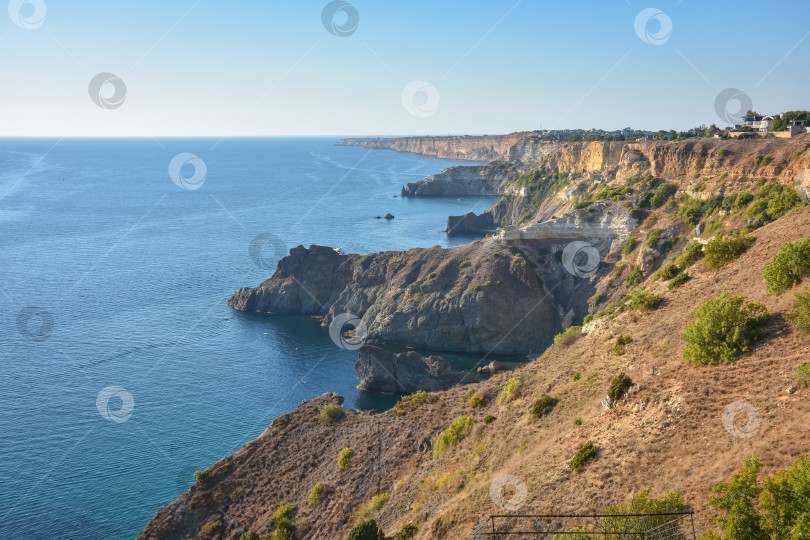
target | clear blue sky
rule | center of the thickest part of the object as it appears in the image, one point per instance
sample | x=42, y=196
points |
x=271, y=68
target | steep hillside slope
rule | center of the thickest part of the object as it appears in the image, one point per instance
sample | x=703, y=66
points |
x=668, y=434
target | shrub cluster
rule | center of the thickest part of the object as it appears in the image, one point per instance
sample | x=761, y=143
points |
x=474, y=399
x=666, y=273
x=802, y=376
x=635, y=277
x=585, y=453
x=679, y=280
x=344, y=459
x=799, y=318
x=317, y=492
x=365, y=510
x=543, y=406
x=629, y=245
x=644, y=300
x=721, y=251
x=776, y=507
x=619, y=386
x=407, y=532
x=510, y=390
x=788, y=267
x=571, y=334
x=692, y=254
x=726, y=327
x=621, y=343
x=367, y=530
x=329, y=414
x=454, y=434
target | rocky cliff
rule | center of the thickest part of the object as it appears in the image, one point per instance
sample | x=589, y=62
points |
x=481, y=297
x=472, y=148
x=474, y=181
x=405, y=373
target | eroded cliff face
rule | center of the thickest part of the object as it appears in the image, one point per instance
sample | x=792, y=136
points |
x=481, y=297
x=475, y=181
x=472, y=148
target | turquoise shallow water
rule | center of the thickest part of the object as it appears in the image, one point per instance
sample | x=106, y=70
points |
x=129, y=274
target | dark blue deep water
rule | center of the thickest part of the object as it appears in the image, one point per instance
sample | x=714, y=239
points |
x=113, y=276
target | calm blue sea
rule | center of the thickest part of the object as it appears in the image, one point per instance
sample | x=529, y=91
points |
x=113, y=276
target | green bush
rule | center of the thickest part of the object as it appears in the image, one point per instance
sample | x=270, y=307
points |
x=543, y=406
x=799, y=318
x=283, y=532
x=344, y=459
x=619, y=386
x=726, y=327
x=692, y=254
x=629, y=245
x=201, y=475
x=621, y=343
x=578, y=422
x=250, y=535
x=489, y=419
x=365, y=510
x=635, y=277
x=662, y=193
x=585, y=453
x=329, y=414
x=721, y=251
x=407, y=532
x=464, y=264
x=653, y=236
x=763, y=160
x=802, y=376
x=723, y=152
x=430, y=276
x=788, y=267
x=212, y=526
x=679, y=280
x=571, y=334
x=666, y=273
x=588, y=318
x=777, y=507
x=454, y=434
x=474, y=399
x=367, y=530
x=644, y=300
x=317, y=492
x=510, y=390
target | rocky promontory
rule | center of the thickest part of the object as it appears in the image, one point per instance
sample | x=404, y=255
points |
x=485, y=296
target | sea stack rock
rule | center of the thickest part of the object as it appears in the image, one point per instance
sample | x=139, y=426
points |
x=405, y=373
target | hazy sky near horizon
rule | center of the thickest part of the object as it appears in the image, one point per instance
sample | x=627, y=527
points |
x=214, y=68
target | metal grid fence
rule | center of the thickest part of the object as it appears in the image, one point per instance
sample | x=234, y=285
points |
x=662, y=526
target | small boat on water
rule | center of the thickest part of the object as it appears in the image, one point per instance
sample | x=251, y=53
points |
x=339, y=250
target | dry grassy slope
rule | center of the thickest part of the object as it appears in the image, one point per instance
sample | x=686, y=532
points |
x=666, y=436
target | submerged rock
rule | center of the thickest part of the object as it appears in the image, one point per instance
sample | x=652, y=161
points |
x=405, y=373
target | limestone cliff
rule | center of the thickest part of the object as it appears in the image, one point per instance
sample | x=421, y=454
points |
x=472, y=148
